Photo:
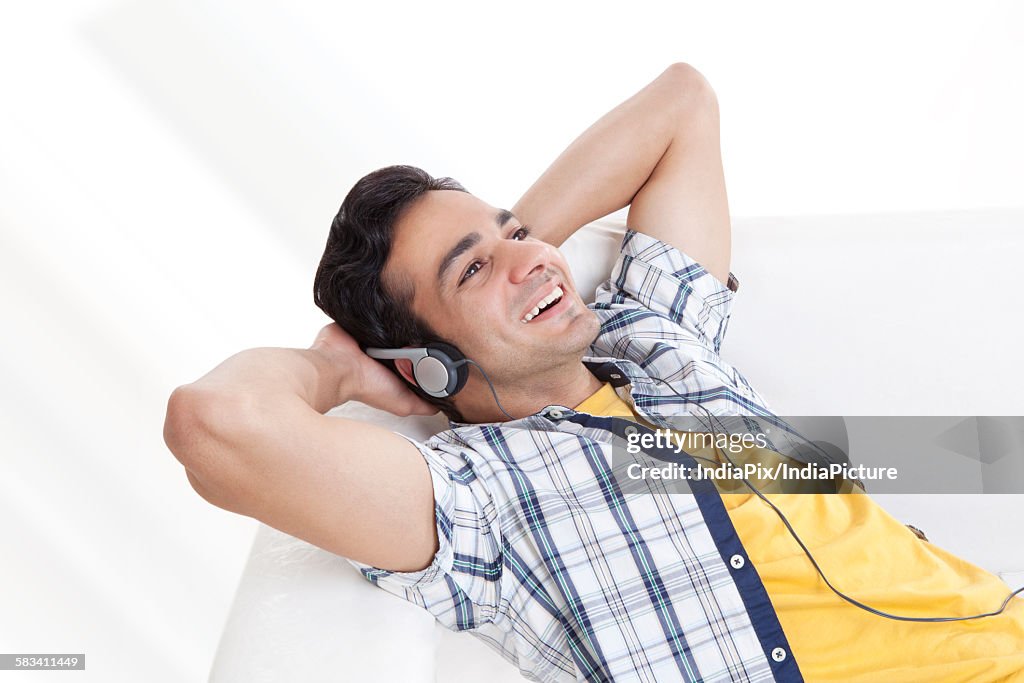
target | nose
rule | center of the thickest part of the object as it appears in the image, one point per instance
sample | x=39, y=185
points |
x=527, y=259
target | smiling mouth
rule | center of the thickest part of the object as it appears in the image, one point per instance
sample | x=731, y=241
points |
x=545, y=304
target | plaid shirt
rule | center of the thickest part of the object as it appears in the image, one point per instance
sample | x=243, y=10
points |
x=546, y=559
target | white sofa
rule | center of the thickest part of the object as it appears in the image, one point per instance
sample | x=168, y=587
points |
x=901, y=314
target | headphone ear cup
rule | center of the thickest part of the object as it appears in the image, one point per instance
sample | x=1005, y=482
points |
x=452, y=360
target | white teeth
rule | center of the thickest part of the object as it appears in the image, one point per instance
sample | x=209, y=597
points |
x=557, y=292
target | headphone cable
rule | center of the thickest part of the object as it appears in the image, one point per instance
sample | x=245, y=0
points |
x=494, y=393
x=807, y=552
x=782, y=516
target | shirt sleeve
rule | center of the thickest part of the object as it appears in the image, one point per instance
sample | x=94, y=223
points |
x=670, y=283
x=461, y=586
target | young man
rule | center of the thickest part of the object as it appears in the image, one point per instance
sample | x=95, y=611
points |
x=511, y=524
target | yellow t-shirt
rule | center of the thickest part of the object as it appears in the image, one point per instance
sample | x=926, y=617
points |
x=876, y=560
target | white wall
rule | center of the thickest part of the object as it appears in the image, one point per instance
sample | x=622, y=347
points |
x=168, y=172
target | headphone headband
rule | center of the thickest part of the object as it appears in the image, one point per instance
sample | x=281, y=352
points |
x=389, y=354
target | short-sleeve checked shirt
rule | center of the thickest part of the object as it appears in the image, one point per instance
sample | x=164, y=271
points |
x=544, y=557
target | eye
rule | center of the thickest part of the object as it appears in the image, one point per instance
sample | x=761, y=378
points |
x=519, y=235
x=472, y=270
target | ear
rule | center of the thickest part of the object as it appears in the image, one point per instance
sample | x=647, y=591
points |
x=404, y=366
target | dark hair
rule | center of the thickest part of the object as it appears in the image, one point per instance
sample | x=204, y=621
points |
x=350, y=286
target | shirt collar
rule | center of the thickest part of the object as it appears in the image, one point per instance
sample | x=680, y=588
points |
x=618, y=372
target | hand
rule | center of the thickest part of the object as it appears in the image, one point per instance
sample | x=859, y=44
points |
x=365, y=379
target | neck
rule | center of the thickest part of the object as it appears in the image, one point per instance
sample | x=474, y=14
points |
x=567, y=387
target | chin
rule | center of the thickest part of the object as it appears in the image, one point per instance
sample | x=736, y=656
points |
x=583, y=332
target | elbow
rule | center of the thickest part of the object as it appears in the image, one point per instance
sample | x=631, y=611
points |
x=198, y=428
x=691, y=88
x=183, y=424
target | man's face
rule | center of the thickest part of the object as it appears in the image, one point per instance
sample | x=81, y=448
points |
x=477, y=276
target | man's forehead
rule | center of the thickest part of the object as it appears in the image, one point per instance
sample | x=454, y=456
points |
x=440, y=227
x=427, y=233
x=439, y=211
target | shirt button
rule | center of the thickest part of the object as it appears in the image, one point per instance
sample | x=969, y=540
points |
x=737, y=561
x=555, y=413
x=630, y=430
x=778, y=654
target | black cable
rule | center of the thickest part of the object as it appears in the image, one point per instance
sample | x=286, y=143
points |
x=782, y=516
x=807, y=552
x=493, y=392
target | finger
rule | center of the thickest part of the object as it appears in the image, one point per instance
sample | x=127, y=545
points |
x=393, y=394
x=421, y=407
x=429, y=410
x=414, y=405
x=324, y=331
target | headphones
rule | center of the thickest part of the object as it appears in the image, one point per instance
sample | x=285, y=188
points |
x=439, y=369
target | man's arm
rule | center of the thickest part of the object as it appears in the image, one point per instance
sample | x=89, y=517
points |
x=253, y=439
x=659, y=152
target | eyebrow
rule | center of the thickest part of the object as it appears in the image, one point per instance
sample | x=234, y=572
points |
x=468, y=242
